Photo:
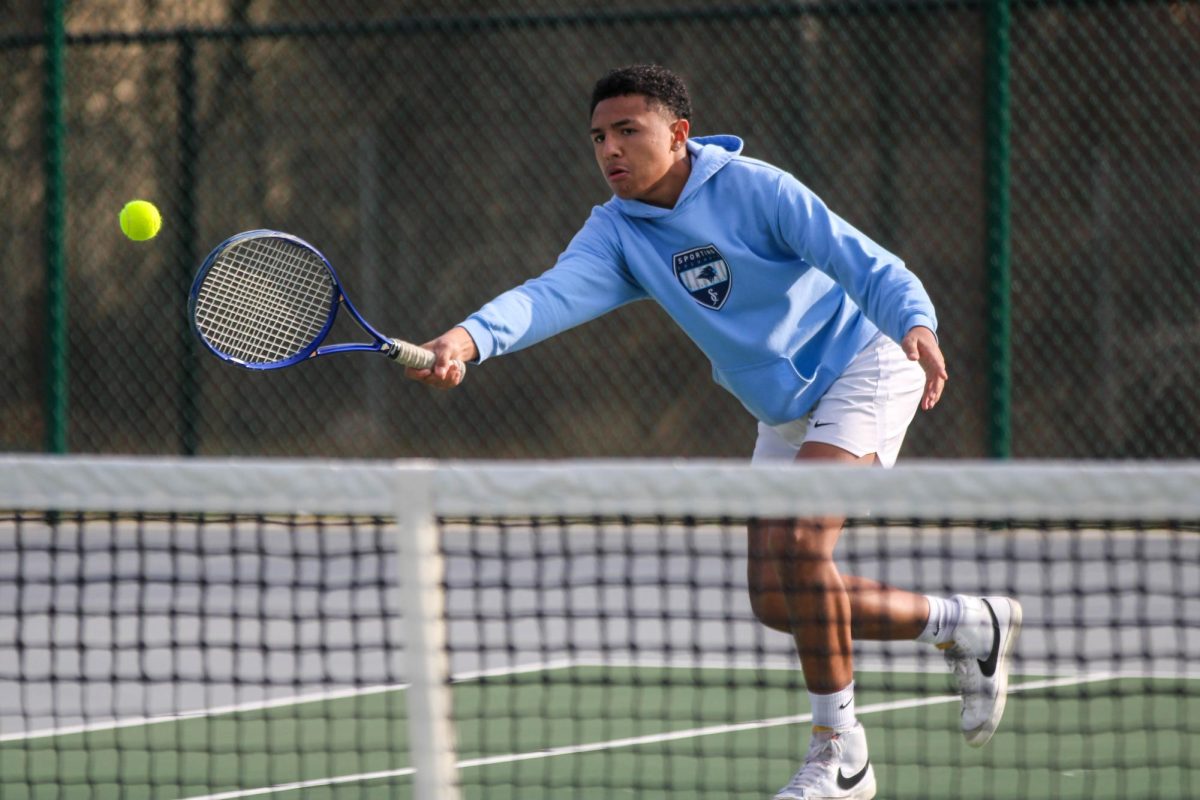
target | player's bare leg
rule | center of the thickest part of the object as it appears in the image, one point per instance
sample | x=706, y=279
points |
x=791, y=565
x=795, y=587
x=815, y=597
x=878, y=612
x=819, y=615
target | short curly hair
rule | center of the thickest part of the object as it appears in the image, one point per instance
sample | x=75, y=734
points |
x=659, y=85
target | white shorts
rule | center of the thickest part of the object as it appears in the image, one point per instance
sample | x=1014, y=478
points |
x=867, y=409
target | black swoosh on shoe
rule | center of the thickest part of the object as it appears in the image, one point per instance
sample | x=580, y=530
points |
x=845, y=783
x=988, y=665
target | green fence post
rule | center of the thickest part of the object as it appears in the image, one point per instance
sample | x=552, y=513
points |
x=999, y=120
x=187, y=145
x=54, y=111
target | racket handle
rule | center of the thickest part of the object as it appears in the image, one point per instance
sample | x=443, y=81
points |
x=410, y=355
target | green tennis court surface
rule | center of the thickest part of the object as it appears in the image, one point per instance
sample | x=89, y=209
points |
x=638, y=732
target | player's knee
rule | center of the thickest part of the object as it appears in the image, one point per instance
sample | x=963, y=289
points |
x=767, y=601
x=772, y=613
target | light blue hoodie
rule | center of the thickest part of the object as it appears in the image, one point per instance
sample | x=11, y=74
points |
x=778, y=291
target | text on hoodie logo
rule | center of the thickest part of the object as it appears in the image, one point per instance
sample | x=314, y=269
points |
x=704, y=274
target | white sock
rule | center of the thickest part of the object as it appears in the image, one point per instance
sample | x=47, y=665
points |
x=834, y=711
x=944, y=616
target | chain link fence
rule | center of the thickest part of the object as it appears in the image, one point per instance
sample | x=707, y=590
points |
x=437, y=152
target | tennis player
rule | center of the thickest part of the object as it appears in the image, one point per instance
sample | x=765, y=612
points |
x=823, y=335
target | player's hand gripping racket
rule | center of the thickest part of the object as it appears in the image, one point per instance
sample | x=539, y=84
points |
x=264, y=299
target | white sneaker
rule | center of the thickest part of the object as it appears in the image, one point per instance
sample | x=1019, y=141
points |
x=979, y=657
x=836, y=768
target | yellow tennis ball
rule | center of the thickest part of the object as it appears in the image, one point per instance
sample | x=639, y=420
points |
x=140, y=220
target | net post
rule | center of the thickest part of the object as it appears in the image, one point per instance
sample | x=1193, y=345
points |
x=421, y=568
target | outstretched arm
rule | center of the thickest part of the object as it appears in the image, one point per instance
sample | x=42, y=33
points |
x=589, y=279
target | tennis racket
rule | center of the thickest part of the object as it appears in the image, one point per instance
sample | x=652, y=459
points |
x=264, y=300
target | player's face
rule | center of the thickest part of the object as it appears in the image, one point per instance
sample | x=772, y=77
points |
x=636, y=146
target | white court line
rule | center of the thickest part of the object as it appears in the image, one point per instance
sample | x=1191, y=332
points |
x=633, y=741
x=131, y=722
x=586, y=661
x=258, y=705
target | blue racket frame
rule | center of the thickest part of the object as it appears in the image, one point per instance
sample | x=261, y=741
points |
x=382, y=344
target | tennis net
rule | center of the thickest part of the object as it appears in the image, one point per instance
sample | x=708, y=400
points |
x=222, y=629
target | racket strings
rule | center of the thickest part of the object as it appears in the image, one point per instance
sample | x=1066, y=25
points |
x=265, y=300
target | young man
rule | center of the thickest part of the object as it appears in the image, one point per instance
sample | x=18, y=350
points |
x=824, y=336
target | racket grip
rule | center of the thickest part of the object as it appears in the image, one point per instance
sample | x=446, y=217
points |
x=410, y=355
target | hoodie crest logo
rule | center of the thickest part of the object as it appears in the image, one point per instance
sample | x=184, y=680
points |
x=704, y=274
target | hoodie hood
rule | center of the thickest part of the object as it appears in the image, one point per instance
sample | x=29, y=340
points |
x=709, y=154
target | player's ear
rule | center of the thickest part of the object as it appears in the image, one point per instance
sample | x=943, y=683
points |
x=679, y=133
